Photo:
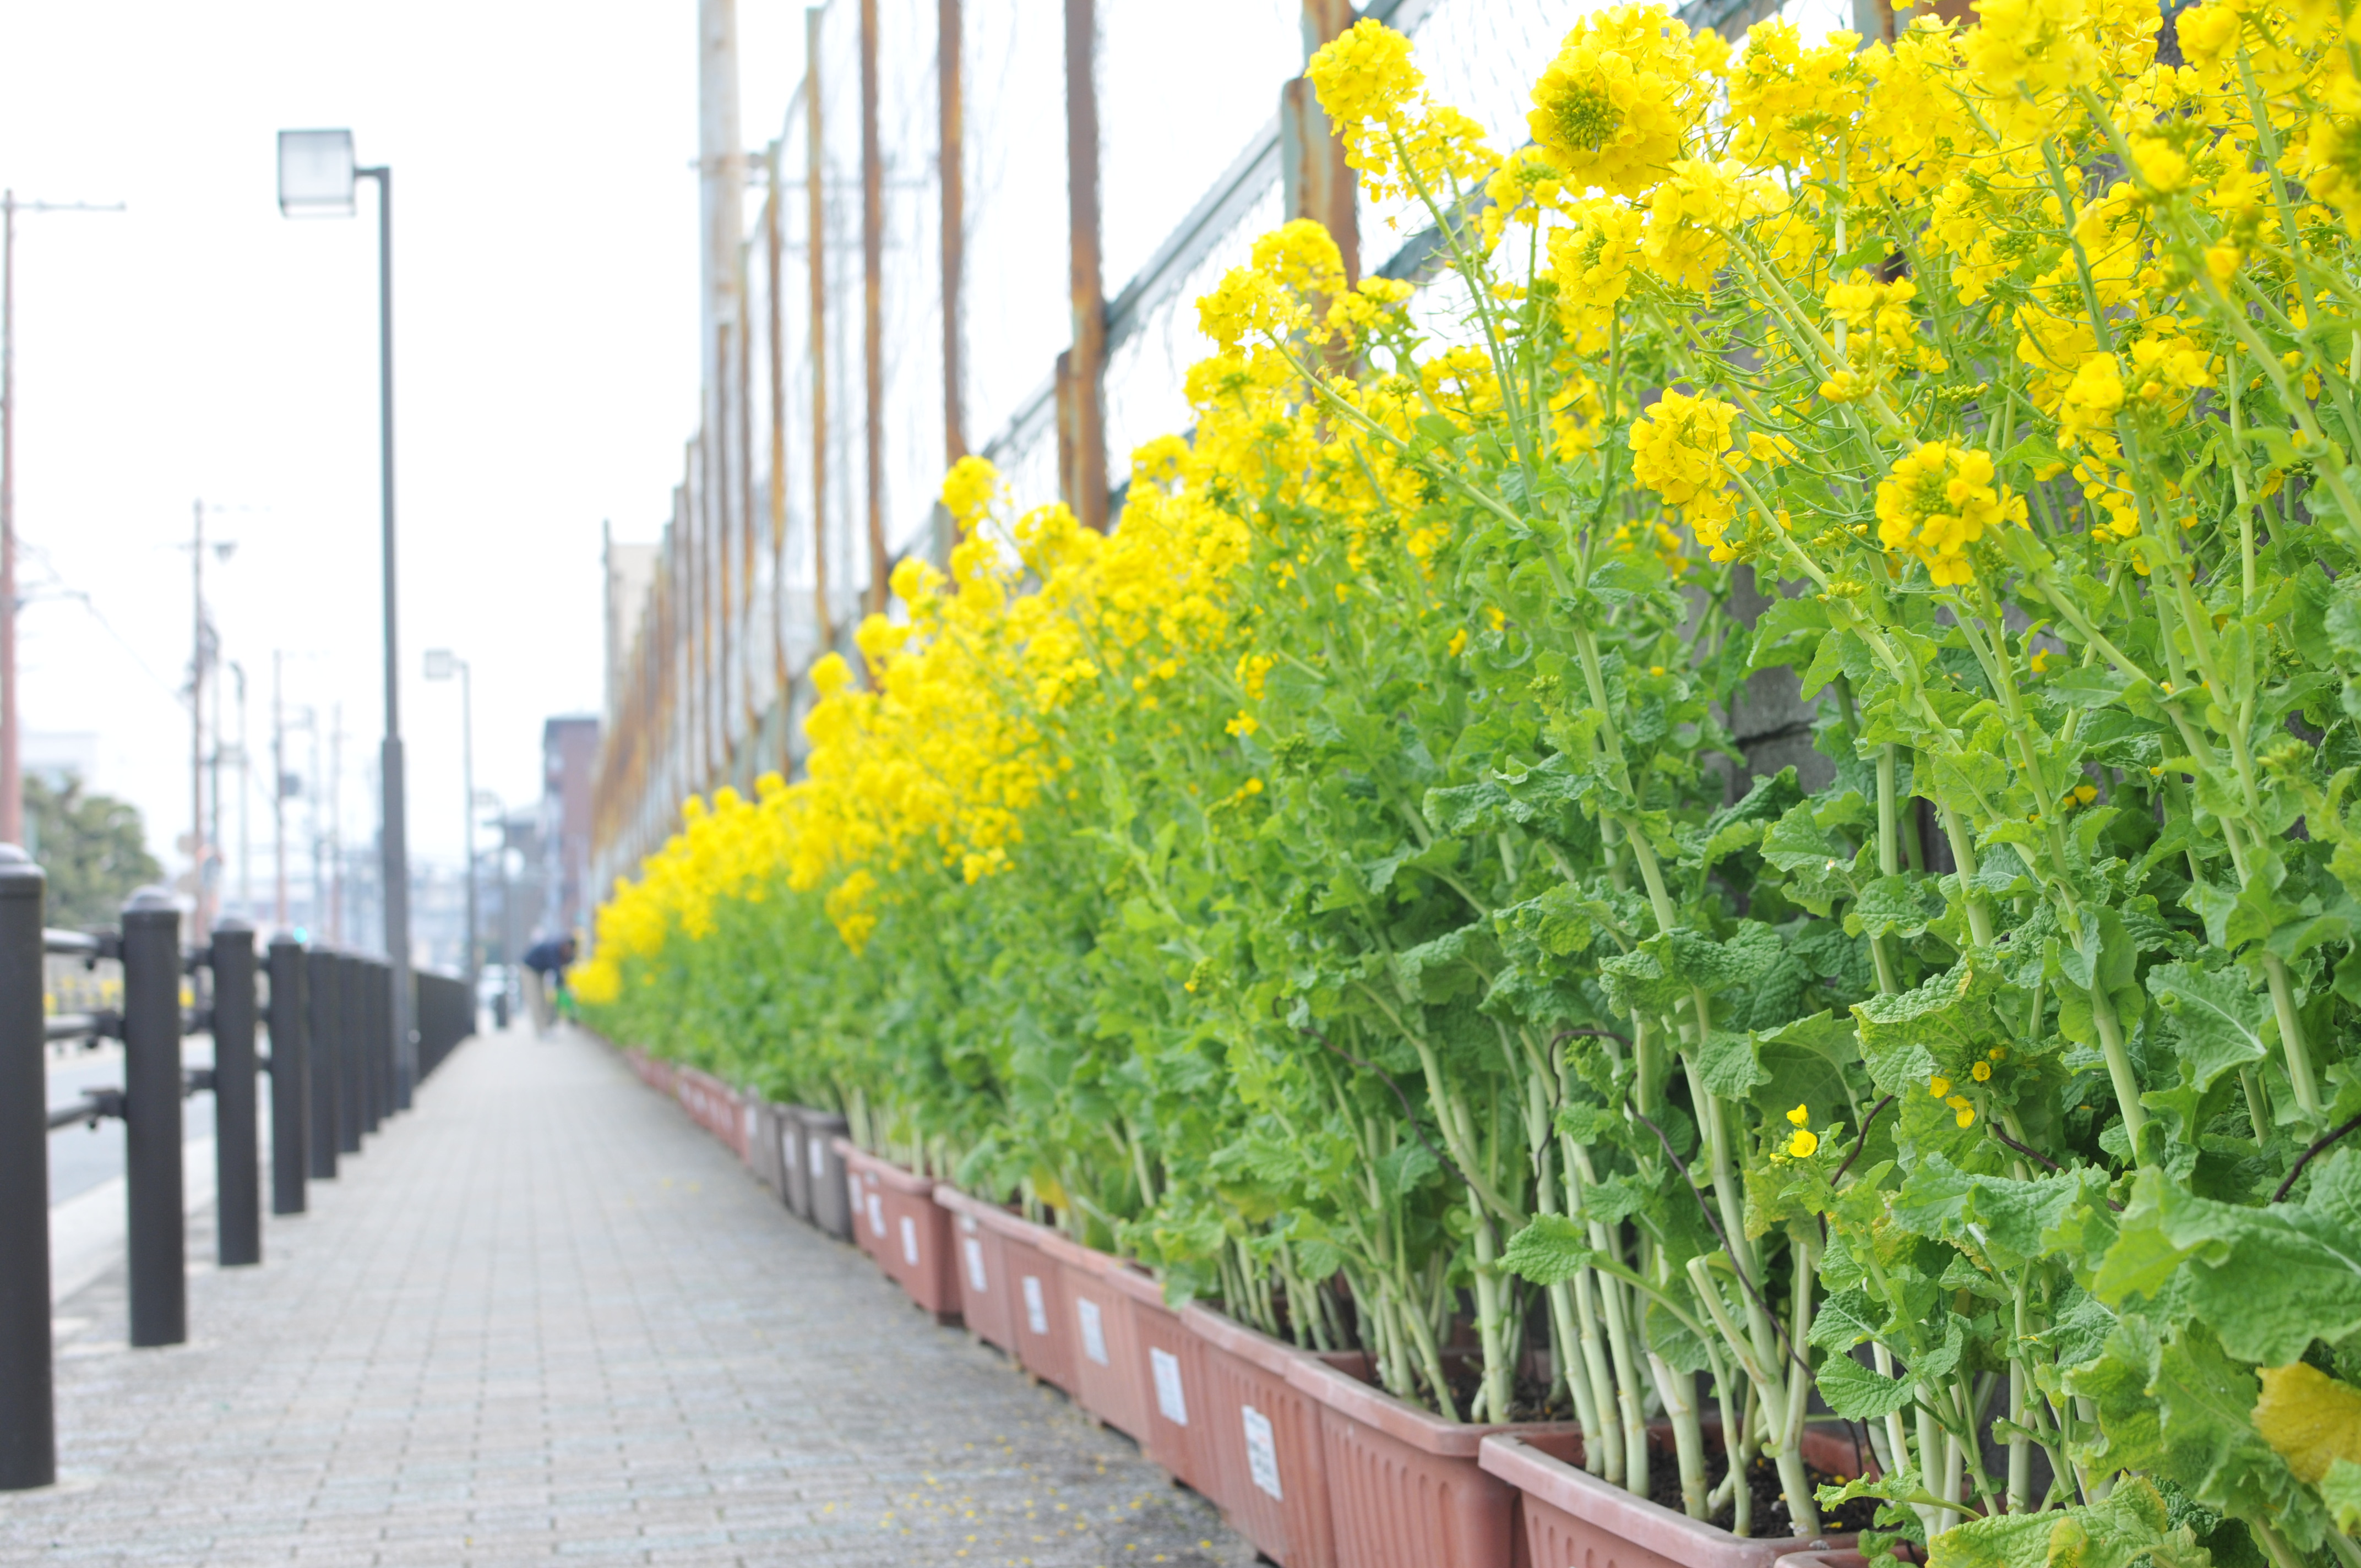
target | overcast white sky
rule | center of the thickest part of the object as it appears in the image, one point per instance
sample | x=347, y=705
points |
x=200, y=346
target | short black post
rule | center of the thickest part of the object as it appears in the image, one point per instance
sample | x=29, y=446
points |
x=237, y=1170
x=352, y=1050
x=29, y=1429
x=290, y=1076
x=323, y=1011
x=151, y=1114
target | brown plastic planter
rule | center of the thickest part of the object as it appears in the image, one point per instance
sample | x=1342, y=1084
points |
x=982, y=1268
x=714, y=1105
x=1270, y=1476
x=1032, y=1292
x=829, y=1200
x=1110, y=1369
x=1168, y=1374
x=795, y=1183
x=653, y=1071
x=763, y=1155
x=1571, y=1515
x=916, y=1248
x=1404, y=1487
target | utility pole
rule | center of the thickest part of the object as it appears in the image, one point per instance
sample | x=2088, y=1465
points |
x=951, y=166
x=336, y=826
x=12, y=775
x=245, y=790
x=1081, y=409
x=816, y=266
x=197, y=922
x=278, y=797
x=873, y=305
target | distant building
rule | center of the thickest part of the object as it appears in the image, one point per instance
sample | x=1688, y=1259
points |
x=570, y=762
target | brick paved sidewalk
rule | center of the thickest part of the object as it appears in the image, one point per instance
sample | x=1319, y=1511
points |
x=544, y=1317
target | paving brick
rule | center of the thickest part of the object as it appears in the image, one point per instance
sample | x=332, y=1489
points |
x=544, y=1320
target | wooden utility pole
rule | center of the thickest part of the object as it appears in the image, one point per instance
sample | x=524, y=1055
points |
x=815, y=257
x=778, y=497
x=1082, y=416
x=872, y=300
x=950, y=174
x=1319, y=182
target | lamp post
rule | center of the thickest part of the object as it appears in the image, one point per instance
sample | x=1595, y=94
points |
x=315, y=180
x=440, y=662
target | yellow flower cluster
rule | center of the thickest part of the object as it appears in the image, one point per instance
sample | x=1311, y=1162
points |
x=1938, y=501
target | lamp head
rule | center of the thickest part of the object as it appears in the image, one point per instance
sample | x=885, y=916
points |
x=315, y=174
x=440, y=664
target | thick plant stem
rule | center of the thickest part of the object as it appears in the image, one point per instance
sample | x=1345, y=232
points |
x=1677, y=1392
x=1897, y=1435
x=1489, y=1314
x=1430, y=1358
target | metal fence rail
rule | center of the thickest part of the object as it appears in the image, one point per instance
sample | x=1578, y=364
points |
x=344, y=1047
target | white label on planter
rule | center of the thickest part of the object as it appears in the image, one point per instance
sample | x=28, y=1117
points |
x=876, y=1214
x=787, y=1153
x=1262, y=1451
x=819, y=1159
x=1169, y=1400
x=909, y=1240
x=974, y=1264
x=1093, y=1330
x=750, y=1122
x=1037, y=1315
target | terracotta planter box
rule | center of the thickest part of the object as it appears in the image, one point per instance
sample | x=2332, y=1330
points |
x=714, y=1106
x=1571, y=1515
x=1032, y=1292
x=829, y=1202
x=1168, y=1378
x=653, y=1071
x=1404, y=1487
x=915, y=1247
x=1270, y=1476
x=1110, y=1370
x=981, y=1267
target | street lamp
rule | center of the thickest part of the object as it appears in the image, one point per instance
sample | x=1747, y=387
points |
x=440, y=662
x=316, y=173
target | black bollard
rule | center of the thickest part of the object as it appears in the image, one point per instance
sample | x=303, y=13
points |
x=151, y=1092
x=29, y=1433
x=290, y=1077
x=352, y=1050
x=324, y=1012
x=238, y=1195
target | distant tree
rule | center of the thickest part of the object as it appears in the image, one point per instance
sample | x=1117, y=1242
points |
x=93, y=847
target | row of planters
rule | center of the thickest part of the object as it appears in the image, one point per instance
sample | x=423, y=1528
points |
x=1358, y=890
x=1304, y=1456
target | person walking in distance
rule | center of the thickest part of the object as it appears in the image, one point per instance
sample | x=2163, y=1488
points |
x=545, y=963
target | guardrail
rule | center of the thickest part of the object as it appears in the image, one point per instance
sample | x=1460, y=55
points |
x=329, y=1016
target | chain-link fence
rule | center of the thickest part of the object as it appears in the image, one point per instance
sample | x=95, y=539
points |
x=768, y=561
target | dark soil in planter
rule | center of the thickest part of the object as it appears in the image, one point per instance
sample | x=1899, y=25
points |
x=1528, y=1398
x=1762, y=1479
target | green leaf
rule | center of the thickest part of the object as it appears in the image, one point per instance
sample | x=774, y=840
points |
x=2269, y=1280
x=2341, y=1490
x=1857, y=1394
x=1726, y=1063
x=1550, y=1251
x=1844, y=1321
x=2217, y=1023
x=2129, y=1527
